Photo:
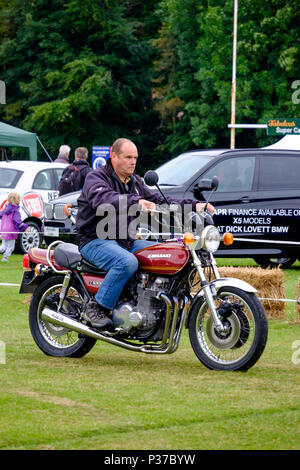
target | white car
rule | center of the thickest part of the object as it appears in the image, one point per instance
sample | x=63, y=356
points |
x=37, y=183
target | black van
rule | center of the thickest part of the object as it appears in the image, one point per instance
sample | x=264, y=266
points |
x=258, y=200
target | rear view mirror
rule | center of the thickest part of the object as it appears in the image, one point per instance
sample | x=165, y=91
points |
x=205, y=185
x=151, y=178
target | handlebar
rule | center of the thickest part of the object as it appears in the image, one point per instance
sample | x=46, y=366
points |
x=68, y=213
x=173, y=208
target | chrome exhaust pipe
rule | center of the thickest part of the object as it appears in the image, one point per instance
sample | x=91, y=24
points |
x=60, y=319
x=63, y=320
x=57, y=318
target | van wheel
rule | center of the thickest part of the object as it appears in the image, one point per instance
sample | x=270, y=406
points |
x=268, y=262
x=31, y=239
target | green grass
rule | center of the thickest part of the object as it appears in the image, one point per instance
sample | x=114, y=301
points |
x=117, y=399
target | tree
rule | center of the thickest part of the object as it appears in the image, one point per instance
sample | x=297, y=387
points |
x=197, y=39
x=85, y=73
x=79, y=73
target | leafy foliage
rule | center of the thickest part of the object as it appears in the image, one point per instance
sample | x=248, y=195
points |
x=85, y=73
x=198, y=36
x=81, y=73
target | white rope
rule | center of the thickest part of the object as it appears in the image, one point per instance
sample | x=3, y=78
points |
x=9, y=285
x=5, y=233
x=281, y=300
x=260, y=298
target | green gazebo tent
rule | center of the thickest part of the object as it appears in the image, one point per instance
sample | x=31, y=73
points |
x=13, y=137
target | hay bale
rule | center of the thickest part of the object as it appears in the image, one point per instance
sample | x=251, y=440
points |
x=268, y=282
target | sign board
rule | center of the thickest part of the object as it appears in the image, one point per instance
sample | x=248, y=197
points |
x=283, y=126
x=34, y=204
x=99, y=156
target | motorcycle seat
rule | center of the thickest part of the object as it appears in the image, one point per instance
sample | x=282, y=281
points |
x=68, y=256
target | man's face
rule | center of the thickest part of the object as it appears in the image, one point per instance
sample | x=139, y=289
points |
x=124, y=164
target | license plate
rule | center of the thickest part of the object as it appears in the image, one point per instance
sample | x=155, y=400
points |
x=51, y=231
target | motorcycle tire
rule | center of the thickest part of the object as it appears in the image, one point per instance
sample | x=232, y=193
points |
x=241, y=345
x=55, y=340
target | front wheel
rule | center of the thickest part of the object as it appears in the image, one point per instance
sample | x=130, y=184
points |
x=56, y=340
x=244, y=338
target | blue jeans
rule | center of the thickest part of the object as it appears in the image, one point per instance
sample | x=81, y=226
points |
x=120, y=264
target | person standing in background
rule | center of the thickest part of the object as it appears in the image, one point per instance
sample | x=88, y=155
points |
x=11, y=225
x=74, y=175
x=64, y=154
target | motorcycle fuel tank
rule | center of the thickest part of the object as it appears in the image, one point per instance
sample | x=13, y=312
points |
x=163, y=258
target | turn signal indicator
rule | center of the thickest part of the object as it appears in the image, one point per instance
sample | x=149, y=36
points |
x=188, y=238
x=228, y=238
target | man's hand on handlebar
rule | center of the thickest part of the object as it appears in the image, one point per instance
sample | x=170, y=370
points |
x=201, y=205
x=147, y=206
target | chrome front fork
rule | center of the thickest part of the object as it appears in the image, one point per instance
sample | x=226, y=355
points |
x=207, y=288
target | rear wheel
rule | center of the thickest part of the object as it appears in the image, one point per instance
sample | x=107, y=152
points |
x=55, y=340
x=243, y=340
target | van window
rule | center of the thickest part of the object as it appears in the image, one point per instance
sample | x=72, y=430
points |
x=42, y=180
x=9, y=177
x=279, y=172
x=58, y=174
x=234, y=174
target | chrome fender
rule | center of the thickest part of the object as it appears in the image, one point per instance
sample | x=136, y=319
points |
x=226, y=282
x=232, y=282
x=218, y=284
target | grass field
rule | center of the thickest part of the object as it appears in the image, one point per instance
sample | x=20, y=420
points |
x=117, y=399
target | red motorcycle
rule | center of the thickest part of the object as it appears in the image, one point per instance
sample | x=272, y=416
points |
x=177, y=286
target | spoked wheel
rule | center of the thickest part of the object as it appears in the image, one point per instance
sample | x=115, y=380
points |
x=243, y=340
x=52, y=339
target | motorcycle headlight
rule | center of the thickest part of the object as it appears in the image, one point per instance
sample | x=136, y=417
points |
x=210, y=239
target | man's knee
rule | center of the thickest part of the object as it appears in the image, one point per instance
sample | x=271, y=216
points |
x=129, y=264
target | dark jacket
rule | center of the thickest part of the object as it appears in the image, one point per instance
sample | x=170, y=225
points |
x=77, y=182
x=62, y=159
x=103, y=187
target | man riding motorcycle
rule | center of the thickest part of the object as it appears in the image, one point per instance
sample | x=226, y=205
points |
x=116, y=186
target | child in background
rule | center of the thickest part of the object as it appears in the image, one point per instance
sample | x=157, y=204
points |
x=11, y=225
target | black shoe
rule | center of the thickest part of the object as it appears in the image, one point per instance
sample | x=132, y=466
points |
x=97, y=316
